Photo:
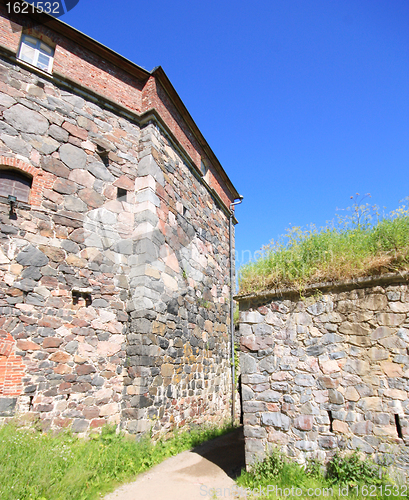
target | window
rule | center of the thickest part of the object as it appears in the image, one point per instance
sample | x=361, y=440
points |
x=15, y=184
x=36, y=53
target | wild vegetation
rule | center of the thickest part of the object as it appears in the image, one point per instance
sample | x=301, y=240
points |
x=40, y=466
x=345, y=476
x=362, y=242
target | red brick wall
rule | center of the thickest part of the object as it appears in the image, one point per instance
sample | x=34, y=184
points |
x=12, y=368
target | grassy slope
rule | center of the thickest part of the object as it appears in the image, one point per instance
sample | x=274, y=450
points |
x=359, y=244
x=37, y=466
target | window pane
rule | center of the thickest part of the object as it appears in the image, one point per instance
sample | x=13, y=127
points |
x=43, y=61
x=30, y=40
x=45, y=48
x=27, y=54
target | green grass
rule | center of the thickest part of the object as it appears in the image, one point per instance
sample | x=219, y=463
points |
x=360, y=243
x=346, y=476
x=37, y=466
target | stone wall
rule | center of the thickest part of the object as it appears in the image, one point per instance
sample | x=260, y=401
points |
x=111, y=310
x=327, y=372
x=178, y=356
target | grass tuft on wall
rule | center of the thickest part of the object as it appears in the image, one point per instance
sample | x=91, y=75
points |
x=359, y=243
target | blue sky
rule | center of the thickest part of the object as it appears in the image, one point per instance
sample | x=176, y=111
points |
x=304, y=102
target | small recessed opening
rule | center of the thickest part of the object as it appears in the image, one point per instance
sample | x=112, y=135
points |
x=331, y=419
x=77, y=295
x=184, y=211
x=398, y=426
x=121, y=194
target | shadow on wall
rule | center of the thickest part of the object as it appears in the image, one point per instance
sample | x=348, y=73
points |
x=227, y=452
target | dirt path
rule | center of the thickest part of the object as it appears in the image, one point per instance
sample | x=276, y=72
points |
x=207, y=472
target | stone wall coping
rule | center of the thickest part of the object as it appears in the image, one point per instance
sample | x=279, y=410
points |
x=328, y=286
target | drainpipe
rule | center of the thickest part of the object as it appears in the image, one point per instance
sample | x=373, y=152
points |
x=232, y=286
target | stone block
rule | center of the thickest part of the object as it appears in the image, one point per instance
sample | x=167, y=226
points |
x=26, y=120
x=330, y=366
x=254, y=432
x=396, y=394
x=371, y=404
x=335, y=397
x=304, y=422
x=248, y=364
x=363, y=428
x=100, y=171
x=329, y=382
x=399, y=307
x=277, y=420
x=328, y=442
x=253, y=406
x=255, y=446
x=351, y=394
x=340, y=427
x=269, y=396
x=376, y=354
x=374, y=302
x=353, y=329
x=109, y=409
x=27, y=345
x=31, y=256
x=7, y=406
x=356, y=366
x=251, y=317
x=262, y=330
x=391, y=370
x=80, y=425
x=390, y=319
x=305, y=380
x=393, y=343
x=362, y=445
x=254, y=378
x=167, y=370
x=73, y=156
x=304, y=445
x=268, y=364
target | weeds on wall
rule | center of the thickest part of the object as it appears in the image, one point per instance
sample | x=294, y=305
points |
x=359, y=242
x=38, y=466
x=344, y=476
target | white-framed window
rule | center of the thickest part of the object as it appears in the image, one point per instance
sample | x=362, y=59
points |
x=36, y=52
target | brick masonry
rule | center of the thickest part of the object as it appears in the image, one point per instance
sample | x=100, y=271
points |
x=113, y=310
x=326, y=373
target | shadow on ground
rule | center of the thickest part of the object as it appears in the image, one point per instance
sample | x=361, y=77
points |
x=227, y=452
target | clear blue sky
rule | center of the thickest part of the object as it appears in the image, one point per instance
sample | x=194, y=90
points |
x=304, y=102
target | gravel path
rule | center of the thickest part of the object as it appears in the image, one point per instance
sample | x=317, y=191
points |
x=207, y=472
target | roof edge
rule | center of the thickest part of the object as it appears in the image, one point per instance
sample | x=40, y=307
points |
x=163, y=79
